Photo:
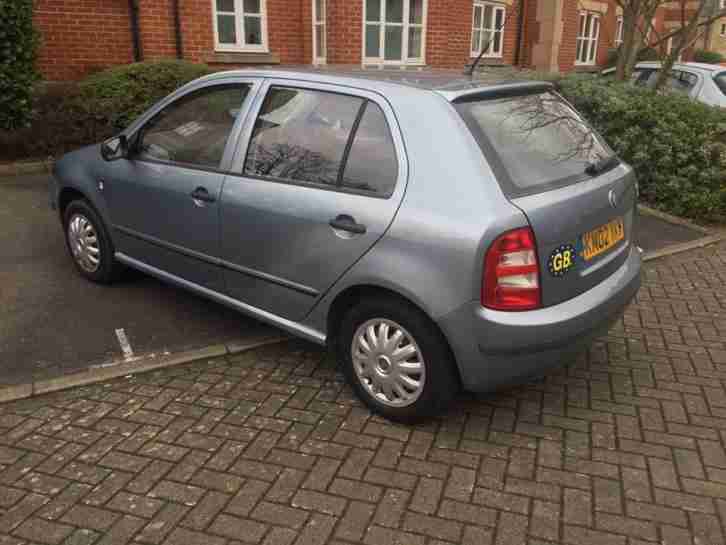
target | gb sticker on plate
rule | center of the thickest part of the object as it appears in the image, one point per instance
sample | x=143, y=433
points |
x=562, y=260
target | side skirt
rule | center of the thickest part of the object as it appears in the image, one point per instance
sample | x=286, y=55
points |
x=273, y=319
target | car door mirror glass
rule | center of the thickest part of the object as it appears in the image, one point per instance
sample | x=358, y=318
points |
x=115, y=148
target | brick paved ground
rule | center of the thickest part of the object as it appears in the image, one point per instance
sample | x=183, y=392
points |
x=624, y=447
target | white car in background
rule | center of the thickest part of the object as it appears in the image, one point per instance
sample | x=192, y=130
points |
x=702, y=82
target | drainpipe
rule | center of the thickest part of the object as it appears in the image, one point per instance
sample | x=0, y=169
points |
x=135, y=34
x=177, y=30
x=520, y=32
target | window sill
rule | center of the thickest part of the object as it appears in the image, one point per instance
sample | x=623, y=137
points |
x=241, y=57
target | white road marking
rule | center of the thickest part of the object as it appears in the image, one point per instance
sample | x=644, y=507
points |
x=125, y=344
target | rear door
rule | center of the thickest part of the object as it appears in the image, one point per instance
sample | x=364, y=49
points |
x=579, y=199
x=316, y=181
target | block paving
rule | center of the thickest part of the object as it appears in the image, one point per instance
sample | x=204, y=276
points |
x=625, y=446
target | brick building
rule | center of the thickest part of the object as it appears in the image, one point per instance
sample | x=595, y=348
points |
x=81, y=36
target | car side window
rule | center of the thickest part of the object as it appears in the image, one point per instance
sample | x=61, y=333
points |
x=194, y=129
x=372, y=164
x=301, y=135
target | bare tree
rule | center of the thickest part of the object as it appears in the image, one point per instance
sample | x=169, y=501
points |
x=638, y=26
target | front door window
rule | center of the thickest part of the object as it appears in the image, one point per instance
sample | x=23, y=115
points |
x=394, y=31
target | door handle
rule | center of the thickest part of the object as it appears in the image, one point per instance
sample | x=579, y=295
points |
x=201, y=194
x=347, y=223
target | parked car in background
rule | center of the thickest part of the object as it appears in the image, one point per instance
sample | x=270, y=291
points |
x=702, y=82
x=436, y=232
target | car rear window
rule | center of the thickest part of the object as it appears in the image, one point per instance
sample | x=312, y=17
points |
x=534, y=142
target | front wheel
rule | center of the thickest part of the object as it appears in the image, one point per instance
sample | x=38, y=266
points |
x=396, y=359
x=89, y=244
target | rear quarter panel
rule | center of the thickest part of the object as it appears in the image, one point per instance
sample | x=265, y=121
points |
x=452, y=209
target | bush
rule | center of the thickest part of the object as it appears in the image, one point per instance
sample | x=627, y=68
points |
x=69, y=116
x=709, y=57
x=119, y=95
x=18, y=43
x=676, y=146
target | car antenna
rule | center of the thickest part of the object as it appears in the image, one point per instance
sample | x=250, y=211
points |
x=484, y=48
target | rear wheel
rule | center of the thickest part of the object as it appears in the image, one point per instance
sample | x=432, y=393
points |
x=396, y=359
x=89, y=244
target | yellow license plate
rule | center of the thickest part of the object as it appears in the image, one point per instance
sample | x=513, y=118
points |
x=603, y=238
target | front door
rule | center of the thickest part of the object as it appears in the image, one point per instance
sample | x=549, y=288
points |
x=316, y=182
x=164, y=199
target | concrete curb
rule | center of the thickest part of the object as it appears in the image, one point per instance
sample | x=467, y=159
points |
x=711, y=236
x=675, y=220
x=25, y=167
x=113, y=370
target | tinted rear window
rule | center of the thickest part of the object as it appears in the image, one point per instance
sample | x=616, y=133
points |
x=534, y=142
x=721, y=82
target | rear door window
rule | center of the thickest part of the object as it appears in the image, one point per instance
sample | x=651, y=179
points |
x=720, y=80
x=329, y=139
x=372, y=164
x=534, y=142
x=301, y=135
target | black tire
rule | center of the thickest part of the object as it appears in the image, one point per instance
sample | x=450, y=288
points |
x=108, y=269
x=440, y=383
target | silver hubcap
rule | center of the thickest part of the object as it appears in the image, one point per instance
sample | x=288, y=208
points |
x=83, y=241
x=388, y=362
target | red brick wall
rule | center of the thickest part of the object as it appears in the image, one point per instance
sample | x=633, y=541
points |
x=568, y=46
x=345, y=31
x=156, y=27
x=78, y=37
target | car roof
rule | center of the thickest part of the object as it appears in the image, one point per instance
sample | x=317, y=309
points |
x=452, y=84
x=699, y=66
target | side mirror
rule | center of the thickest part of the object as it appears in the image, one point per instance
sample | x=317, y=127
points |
x=115, y=148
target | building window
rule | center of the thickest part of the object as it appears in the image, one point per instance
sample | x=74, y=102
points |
x=394, y=31
x=587, y=36
x=619, y=31
x=723, y=28
x=240, y=25
x=487, y=31
x=320, y=45
x=669, y=48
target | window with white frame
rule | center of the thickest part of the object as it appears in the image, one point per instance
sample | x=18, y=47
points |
x=487, y=31
x=320, y=42
x=587, y=36
x=240, y=25
x=394, y=31
x=619, y=31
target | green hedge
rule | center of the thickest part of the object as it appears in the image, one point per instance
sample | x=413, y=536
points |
x=709, y=57
x=18, y=43
x=119, y=95
x=66, y=117
x=676, y=146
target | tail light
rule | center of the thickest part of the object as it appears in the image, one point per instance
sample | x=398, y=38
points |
x=511, y=273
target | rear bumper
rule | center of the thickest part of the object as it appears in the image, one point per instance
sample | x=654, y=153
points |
x=495, y=348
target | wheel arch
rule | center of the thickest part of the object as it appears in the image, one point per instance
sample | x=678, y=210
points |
x=352, y=294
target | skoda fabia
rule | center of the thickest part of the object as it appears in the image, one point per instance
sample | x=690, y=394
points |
x=436, y=232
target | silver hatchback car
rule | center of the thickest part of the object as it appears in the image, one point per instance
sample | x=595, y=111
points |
x=435, y=232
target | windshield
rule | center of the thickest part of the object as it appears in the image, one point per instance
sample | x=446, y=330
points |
x=720, y=80
x=538, y=140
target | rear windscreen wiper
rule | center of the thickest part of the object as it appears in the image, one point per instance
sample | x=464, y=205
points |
x=601, y=165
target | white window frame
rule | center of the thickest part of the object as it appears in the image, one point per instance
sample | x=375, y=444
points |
x=406, y=24
x=239, y=15
x=320, y=22
x=619, y=29
x=589, y=42
x=491, y=53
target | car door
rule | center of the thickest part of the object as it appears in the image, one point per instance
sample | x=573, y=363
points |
x=163, y=198
x=316, y=181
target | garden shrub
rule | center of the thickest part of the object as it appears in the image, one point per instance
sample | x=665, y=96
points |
x=676, y=146
x=709, y=57
x=120, y=94
x=18, y=43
